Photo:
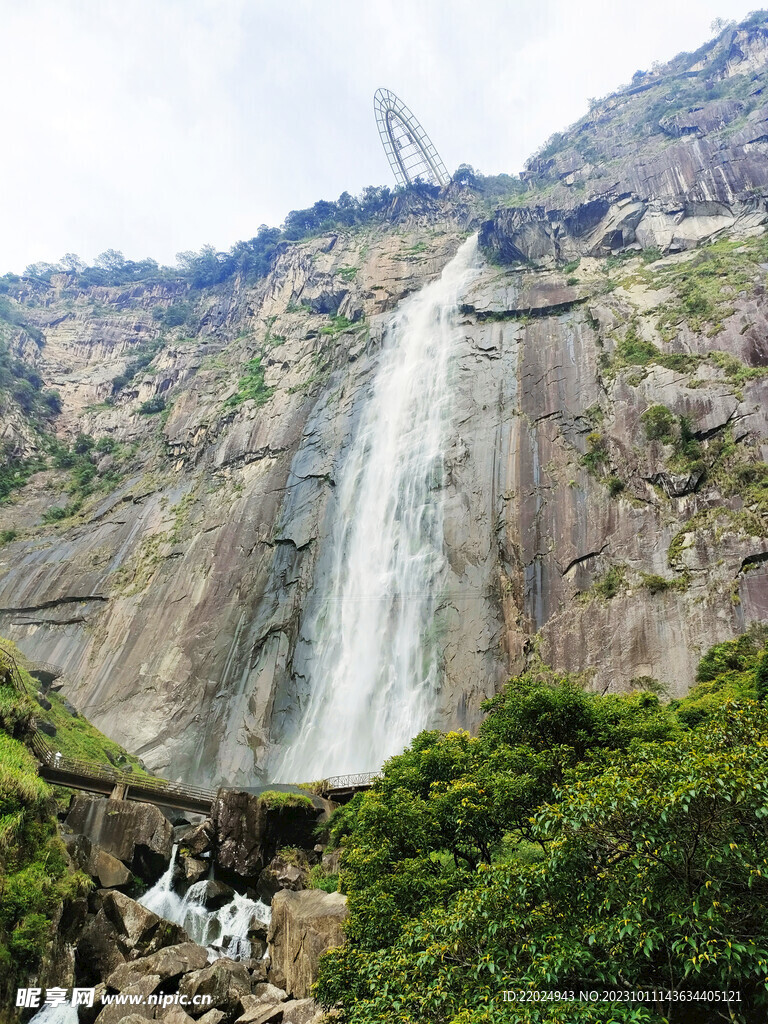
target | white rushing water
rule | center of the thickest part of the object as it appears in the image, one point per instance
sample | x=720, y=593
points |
x=224, y=931
x=375, y=669
x=63, y=1013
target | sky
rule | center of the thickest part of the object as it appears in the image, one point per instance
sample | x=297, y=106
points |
x=158, y=126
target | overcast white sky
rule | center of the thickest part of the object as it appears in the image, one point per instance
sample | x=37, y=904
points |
x=154, y=126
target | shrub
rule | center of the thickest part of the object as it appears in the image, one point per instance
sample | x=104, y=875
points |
x=610, y=583
x=251, y=387
x=615, y=486
x=152, y=406
x=597, y=452
x=659, y=424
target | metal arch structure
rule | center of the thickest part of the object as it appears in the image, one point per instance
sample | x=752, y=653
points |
x=409, y=149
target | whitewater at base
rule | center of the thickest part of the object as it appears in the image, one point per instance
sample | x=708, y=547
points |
x=224, y=932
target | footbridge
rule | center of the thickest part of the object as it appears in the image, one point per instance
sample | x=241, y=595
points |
x=96, y=777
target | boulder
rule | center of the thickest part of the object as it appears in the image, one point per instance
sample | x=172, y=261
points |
x=197, y=839
x=194, y=869
x=250, y=831
x=79, y=849
x=110, y=872
x=299, y=1011
x=47, y=727
x=99, y=951
x=212, y=1017
x=280, y=874
x=262, y=1013
x=114, y=1013
x=212, y=895
x=239, y=820
x=168, y=963
x=331, y=861
x=174, y=1014
x=138, y=834
x=225, y=981
x=107, y=870
x=266, y=992
x=139, y=931
x=304, y=925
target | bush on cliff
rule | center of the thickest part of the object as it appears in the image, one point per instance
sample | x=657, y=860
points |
x=34, y=877
x=579, y=842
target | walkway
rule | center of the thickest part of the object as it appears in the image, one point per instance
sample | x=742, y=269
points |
x=96, y=777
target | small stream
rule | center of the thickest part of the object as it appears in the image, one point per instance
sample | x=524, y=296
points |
x=224, y=932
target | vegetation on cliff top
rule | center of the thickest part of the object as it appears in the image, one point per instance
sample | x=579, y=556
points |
x=579, y=842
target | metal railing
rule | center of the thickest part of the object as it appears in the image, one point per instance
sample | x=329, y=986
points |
x=108, y=775
x=359, y=780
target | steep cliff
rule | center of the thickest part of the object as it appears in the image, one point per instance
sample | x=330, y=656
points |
x=604, y=485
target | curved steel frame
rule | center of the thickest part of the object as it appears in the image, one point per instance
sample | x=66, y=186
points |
x=409, y=149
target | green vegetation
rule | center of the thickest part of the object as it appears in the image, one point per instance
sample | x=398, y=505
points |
x=658, y=584
x=659, y=424
x=609, y=584
x=338, y=325
x=14, y=472
x=615, y=486
x=33, y=867
x=705, y=285
x=580, y=841
x=82, y=461
x=75, y=736
x=251, y=387
x=736, y=372
x=176, y=315
x=276, y=799
x=152, y=405
x=347, y=273
x=632, y=350
x=597, y=453
x=142, y=357
x=721, y=520
x=21, y=383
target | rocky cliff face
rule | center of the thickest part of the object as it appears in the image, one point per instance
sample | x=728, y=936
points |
x=605, y=477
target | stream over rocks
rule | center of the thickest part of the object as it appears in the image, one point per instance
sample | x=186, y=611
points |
x=224, y=930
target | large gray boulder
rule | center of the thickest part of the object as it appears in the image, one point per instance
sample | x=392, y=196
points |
x=137, y=834
x=102, y=866
x=168, y=963
x=121, y=930
x=281, y=874
x=225, y=981
x=304, y=925
x=249, y=831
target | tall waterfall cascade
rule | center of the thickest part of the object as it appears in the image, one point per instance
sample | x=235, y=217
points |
x=375, y=669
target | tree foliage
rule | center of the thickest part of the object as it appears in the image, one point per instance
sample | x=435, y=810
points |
x=579, y=842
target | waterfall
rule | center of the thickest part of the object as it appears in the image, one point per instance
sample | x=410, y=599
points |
x=61, y=1014
x=161, y=899
x=224, y=931
x=375, y=664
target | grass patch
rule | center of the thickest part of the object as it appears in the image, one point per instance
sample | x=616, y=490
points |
x=275, y=800
x=251, y=387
